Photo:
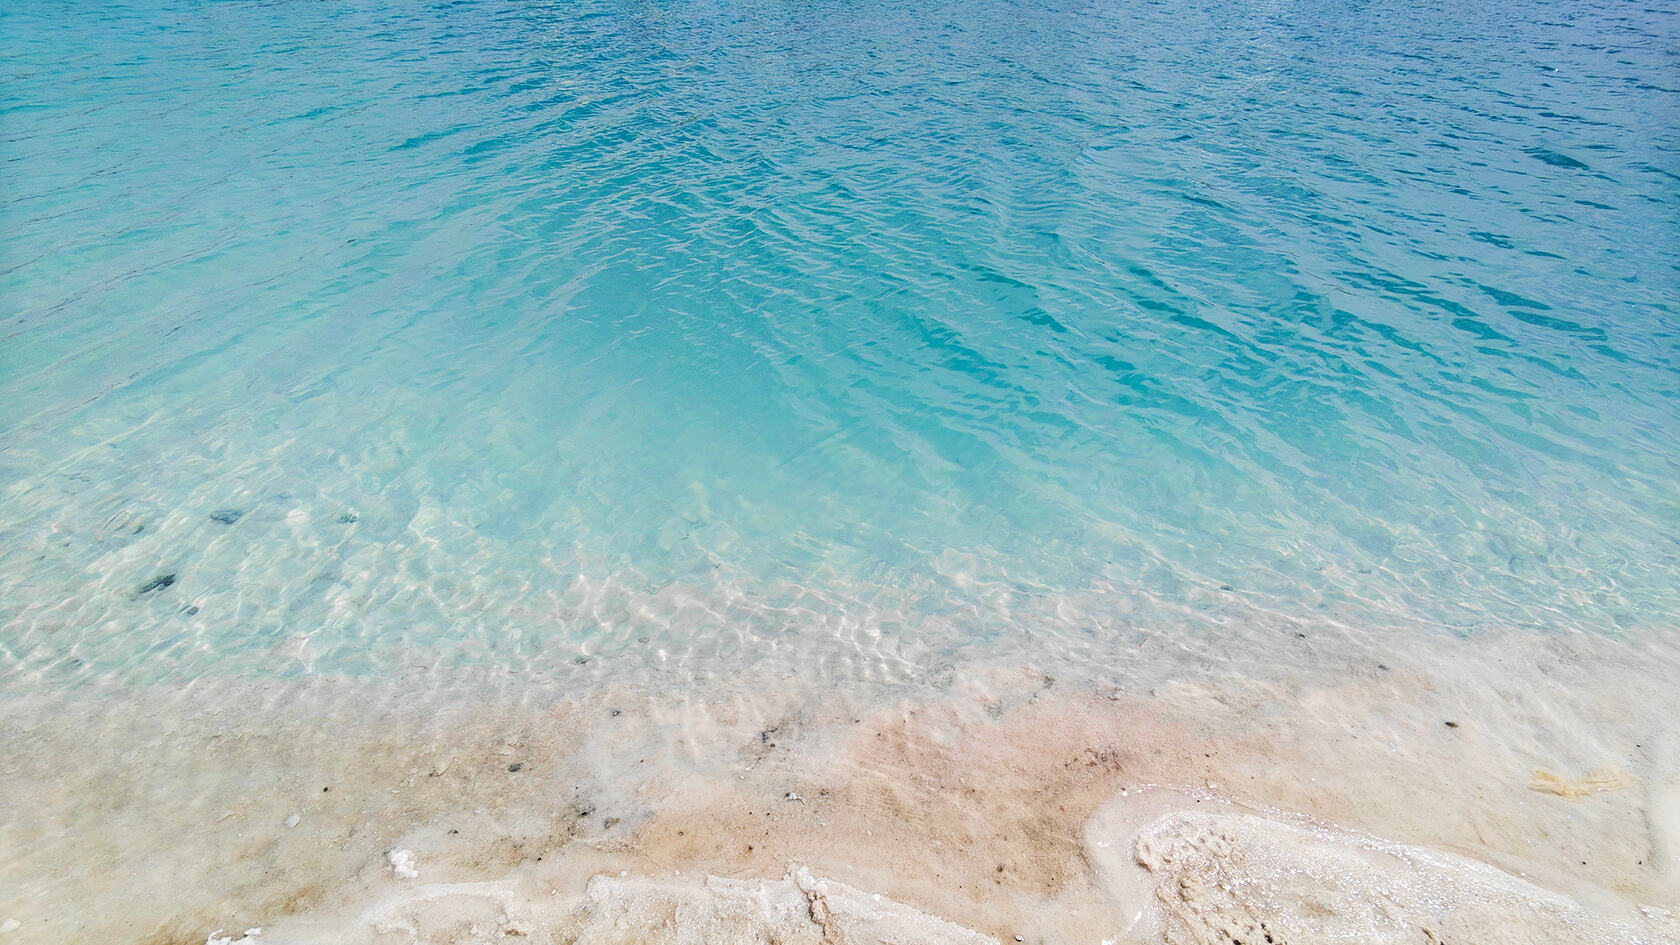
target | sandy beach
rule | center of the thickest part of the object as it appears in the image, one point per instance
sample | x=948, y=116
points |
x=1514, y=790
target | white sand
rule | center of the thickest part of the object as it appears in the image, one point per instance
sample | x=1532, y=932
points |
x=1220, y=876
x=798, y=909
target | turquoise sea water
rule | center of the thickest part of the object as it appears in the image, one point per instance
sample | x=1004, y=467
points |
x=342, y=336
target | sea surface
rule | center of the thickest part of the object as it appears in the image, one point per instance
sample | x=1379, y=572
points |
x=350, y=337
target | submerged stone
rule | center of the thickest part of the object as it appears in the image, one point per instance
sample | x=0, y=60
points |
x=227, y=516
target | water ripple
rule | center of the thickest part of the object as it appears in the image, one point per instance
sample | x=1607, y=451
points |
x=1363, y=311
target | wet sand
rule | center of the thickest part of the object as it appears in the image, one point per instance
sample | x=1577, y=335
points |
x=1515, y=788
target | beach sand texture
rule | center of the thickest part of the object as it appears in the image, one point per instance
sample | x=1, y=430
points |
x=1014, y=802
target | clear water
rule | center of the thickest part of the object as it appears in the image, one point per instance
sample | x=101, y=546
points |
x=519, y=334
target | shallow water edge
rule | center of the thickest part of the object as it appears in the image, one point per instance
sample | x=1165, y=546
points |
x=1497, y=788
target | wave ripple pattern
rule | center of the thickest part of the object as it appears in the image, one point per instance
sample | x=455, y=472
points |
x=339, y=337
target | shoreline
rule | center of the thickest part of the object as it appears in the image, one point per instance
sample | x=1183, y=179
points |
x=158, y=816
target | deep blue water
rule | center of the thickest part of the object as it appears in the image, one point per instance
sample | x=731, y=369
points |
x=509, y=329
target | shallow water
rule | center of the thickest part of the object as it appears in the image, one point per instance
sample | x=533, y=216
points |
x=1368, y=311
x=847, y=348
